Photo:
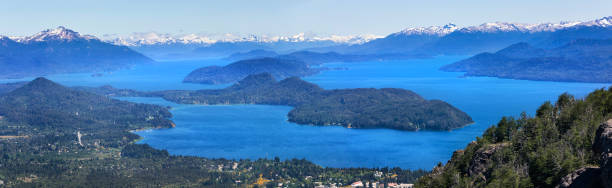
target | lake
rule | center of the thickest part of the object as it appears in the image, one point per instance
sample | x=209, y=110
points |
x=262, y=131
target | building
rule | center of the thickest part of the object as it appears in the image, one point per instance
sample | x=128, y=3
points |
x=405, y=185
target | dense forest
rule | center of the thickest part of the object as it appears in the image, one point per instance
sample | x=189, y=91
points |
x=566, y=144
x=354, y=108
x=42, y=105
x=584, y=60
x=53, y=136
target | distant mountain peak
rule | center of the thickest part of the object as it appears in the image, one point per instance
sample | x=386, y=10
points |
x=154, y=38
x=5, y=40
x=492, y=27
x=543, y=27
x=432, y=30
x=496, y=27
x=603, y=22
x=58, y=34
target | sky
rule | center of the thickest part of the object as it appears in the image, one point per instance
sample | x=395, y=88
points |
x=281, y=17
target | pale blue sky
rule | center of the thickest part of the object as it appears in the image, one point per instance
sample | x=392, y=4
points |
x=281, y=17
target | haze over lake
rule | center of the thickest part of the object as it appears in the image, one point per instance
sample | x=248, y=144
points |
x=256, y=131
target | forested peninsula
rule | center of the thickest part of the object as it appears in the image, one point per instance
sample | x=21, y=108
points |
x=352, y=108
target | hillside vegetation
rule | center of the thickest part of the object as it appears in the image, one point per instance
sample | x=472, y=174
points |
x=561, y=145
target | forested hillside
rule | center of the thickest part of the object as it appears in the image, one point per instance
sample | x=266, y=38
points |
x=567, y=143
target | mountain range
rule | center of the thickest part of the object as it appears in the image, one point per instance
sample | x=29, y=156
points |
x=193, y=46
x=62, y=50
x=487, y=37
x=430, y=41
x=152, y=38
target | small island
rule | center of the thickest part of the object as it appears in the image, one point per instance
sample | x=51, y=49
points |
x=585, y=60
x=279, y=68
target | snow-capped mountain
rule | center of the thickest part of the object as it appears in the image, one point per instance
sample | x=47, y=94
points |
x=452, y=40
x=193, y=46
x=62, y=50
x=58, y=34
x=153, y=38
x=603, y=22
x=492, y=27
x=432, y=30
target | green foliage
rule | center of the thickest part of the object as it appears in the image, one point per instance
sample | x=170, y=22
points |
x=532, y=151
x=143, y=151
x=54, y=108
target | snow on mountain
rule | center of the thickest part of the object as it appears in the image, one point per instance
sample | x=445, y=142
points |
x=548, y=27
x=503, y=27
x=496, y=27
x=349, y=39
x=432, y=30
x=152, y=38
x=603, y=22
x=60, y=34
x=532, y=28
x=492, y=27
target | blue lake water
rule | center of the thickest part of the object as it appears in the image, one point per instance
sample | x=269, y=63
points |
x=256, y=131
x=151, y=77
